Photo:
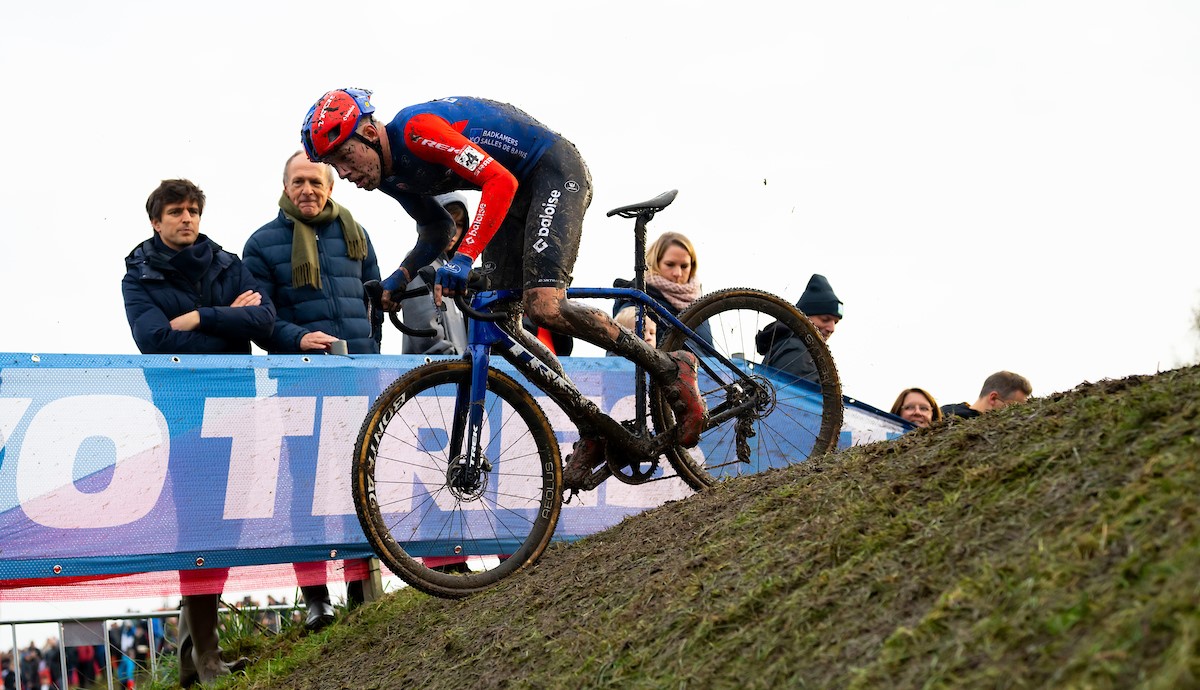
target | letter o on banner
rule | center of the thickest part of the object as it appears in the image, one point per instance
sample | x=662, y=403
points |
x=46, y=464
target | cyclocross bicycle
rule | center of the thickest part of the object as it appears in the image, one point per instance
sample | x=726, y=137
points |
x=456, y=460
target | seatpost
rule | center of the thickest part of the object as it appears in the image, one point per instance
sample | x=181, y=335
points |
x=639, y=283
x=639, y=252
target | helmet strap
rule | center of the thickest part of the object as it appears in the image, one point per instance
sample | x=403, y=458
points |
x=375, y=146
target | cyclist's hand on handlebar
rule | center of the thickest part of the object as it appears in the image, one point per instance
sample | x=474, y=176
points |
x=397, y=282
x=452, y=277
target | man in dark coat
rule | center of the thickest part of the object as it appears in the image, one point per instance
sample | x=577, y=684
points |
x=312, y=260
x=783, y=349
x=1000, y=390
x=184, y=294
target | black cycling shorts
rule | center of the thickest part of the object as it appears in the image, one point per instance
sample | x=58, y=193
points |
x=538, y=240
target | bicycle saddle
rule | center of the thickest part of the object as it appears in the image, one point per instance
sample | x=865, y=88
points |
x=651, y=207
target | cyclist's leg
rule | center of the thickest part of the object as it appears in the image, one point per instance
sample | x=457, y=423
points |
x=560, y=192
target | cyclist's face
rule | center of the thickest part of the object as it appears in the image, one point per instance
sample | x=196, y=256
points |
x=825, y=323
x=676, y=264
x=179, y=225
x=916, y=409
x=356, y=162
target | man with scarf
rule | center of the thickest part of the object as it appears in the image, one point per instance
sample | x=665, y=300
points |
x=185, y=294
x=312, y=260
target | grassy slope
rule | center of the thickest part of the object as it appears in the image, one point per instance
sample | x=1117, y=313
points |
x=1052, y=544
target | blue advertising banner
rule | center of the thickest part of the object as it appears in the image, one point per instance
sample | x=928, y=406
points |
x=127, y=464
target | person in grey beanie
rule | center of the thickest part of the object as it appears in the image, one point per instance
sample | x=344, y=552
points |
x=783, y=349
x=420, y=312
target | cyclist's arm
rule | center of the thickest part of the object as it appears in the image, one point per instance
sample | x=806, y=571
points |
x=431, y=138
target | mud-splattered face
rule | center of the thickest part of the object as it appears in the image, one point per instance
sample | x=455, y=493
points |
x=356, y=162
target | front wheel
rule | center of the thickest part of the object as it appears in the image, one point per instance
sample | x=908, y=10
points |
x=780, y=403
x=447, y=537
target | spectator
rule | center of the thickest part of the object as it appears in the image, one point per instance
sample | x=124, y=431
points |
x=31, y=659
x=420, y=312
x=114, y=644
x=671, y=279
x=85, y=663
x=786, y=352
x=162, y=275
x=916, y=405
x=50, y=671
x=312, y=260
x=185, y=294
x=127, y=668
x=999, y=390
x=7, y=674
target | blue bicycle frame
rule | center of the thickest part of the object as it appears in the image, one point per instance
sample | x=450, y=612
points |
x=529, y=357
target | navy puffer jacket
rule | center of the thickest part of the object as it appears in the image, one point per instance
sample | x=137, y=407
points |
x=338, y=308
x=156, y=291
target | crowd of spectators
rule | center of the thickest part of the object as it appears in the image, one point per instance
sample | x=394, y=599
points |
x=129, y=649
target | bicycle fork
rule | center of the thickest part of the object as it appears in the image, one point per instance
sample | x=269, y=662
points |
x=467, y=472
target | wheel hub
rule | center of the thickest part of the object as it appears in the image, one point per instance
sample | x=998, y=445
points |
x=467, y=482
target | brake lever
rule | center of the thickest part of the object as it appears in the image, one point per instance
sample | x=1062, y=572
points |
x=374, y=291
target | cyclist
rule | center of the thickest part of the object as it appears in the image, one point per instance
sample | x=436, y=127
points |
x=535, y=189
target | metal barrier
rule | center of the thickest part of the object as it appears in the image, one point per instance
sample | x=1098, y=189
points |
x=93, y=630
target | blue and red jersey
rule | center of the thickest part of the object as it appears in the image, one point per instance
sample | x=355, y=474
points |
x=465, y=143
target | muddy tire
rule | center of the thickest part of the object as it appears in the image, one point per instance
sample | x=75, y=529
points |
x=418, y=522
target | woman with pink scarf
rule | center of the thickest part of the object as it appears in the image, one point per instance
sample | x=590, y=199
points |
x=671, y=280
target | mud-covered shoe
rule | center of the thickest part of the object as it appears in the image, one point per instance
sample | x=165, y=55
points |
x=587, y=453
x=684, y=394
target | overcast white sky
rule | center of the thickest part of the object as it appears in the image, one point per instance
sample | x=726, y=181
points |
x=987, y=185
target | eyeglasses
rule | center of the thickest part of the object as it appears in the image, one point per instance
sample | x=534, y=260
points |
x=918, y=408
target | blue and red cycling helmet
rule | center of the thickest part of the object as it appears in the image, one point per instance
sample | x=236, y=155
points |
x=332, y=120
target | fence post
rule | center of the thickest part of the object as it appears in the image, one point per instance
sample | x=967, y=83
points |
x=373, y=585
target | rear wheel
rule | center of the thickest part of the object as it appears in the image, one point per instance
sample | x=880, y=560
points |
x=763, y=413
x=425, y=524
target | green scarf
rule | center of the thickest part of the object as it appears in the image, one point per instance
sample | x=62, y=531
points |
x=306, y=268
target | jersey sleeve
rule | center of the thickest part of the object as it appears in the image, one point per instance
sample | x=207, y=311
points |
x=433, y=139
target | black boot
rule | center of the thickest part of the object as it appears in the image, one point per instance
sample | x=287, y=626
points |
x=187, y=667
x=355, y=596
x=320, y=608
